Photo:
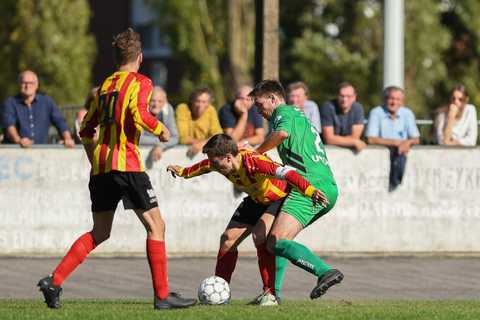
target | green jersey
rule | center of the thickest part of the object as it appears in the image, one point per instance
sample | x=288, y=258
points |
x=303, y=149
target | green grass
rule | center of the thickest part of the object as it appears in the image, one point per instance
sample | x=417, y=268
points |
x=140, y=309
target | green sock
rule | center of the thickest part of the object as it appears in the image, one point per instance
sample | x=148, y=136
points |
x=301, y=256
x=280, y=265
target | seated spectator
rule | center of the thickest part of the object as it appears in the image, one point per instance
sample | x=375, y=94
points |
x=298, y=96
x=27, y=116
x=343, y=119
x=241, y=120
x=393, y=125
x=457, y=125
x=197, y=121
x=82, y=113
x=164, y=112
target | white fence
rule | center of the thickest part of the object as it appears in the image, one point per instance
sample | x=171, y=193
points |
x=44, y=205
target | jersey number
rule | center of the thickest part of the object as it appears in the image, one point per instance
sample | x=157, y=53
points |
x=318, y=145
x=107, y=103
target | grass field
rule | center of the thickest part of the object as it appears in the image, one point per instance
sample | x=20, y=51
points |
x=141, y=309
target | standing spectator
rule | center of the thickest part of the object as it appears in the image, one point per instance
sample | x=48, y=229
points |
x=28, y=115
x=343, y=119
x=457, y=125
x=393, y=125
x=197, y=121
x=298, y=96
x=241, y=120
x=164, y=112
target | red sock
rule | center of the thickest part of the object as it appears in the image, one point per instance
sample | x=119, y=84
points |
x=266, y=264
x=77, y=253
x=157, y=259
x=226, y=261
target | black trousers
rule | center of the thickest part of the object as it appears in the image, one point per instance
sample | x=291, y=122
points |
x=397, y=168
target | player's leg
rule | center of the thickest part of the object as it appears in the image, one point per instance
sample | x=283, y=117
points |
x=227, y=255
x=296, y=213
x=104, y=195
x=266, y=259
x=102, y=226
x=139, y=196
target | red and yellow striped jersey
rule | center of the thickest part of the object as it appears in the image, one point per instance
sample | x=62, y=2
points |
x=260, y=177
x=120, y=109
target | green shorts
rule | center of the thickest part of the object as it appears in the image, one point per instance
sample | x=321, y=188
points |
x=301, y=208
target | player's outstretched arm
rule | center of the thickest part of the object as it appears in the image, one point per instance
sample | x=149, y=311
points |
x=272, y=141
x=197, y=169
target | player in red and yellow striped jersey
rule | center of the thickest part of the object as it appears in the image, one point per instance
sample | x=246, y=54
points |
x=266, y=184
x=120, y=112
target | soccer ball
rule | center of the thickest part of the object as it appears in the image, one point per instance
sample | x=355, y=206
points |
x=214, y=290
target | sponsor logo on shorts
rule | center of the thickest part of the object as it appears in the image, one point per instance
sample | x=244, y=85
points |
x=152, y=195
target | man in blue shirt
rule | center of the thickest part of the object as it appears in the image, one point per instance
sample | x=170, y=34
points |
x=27, y=116
x=241, y=120
x=393, y=125
x=343, y=120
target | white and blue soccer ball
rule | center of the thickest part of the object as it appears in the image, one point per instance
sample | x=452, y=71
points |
x=214, y=290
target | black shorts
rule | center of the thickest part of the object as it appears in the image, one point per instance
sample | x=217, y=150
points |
x=134, y=188
x=249, y=211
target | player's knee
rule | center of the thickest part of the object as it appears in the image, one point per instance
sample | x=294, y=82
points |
x=227, y=242
x=156, y=227
x=259, y=238
x=271, y=240
x=100, y=236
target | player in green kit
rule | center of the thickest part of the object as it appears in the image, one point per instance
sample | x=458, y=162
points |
x=299, y=146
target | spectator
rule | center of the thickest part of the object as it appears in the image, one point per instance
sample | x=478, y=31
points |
x=457, y=125
x=241, y=120
x=163, y=110
x=27, y=116
x=393, y=125
x=298, y=96
x=197, y=121
x=82, y=113
x=343, y=120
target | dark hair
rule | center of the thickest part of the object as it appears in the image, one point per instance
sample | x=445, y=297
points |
x=346, y=84
x=390, y=89
x=297, y=85
x=220, y=145
x=198, y=92
x=127, y=46
x=268, y=87
x=460, y=88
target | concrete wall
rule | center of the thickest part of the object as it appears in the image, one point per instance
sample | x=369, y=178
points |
x=44, y=205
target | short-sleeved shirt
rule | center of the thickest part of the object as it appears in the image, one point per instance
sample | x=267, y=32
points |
x=303, y=149
x=342, y=123
x=33, y=122
x=402, y=127
x=206, y=126
x=310, y=108
x=228, y=119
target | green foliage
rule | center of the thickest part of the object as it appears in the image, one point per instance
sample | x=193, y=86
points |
x=51, y=38
x=197, y=32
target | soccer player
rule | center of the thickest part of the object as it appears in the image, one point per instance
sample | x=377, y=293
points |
x=266, y=184
x=300, y=146
x=120, y=111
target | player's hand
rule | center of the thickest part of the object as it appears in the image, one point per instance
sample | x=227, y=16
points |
x=244, y=145
x=174, y=170
x=164, y=135
x=319, y=198
x=25, y=142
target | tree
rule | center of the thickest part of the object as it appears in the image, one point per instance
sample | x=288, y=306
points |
x=342, y=41
x=215, y=51
x=51, y=38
